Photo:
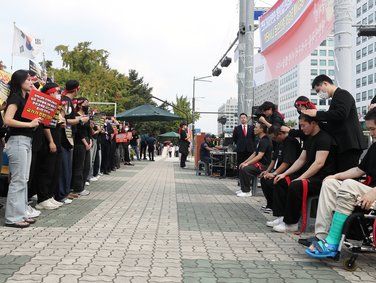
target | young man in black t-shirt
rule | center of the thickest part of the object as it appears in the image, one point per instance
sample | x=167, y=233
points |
x=288, y=151
x=341, y=194
x=257, y=162
x=306, y=174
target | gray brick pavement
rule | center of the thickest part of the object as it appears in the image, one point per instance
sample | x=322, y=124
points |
x=158, y=223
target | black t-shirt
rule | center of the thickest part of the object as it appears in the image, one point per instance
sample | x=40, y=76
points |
x=288, y=151
x=56, y=137
x=151, y=141
x=322, y=141
x=368, y=164
x=276, y=118
x=204, y=153
x=265, y=145
x=69, y=114
x=133, y=141
x=83, y=131
x=19, y=101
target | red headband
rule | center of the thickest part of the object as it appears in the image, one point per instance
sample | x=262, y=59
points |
x=307, y=104
x=70, y=91
x=51, y=90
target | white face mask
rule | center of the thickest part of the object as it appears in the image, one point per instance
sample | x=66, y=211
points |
x=126, y=129
x=323, y=94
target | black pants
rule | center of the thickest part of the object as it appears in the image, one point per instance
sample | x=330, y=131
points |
x=348, y=159
x=268, y=188
x=96, y=163
x=105, y=164
x=183, y=159
x=143, y=151
x=245, y=175
x=287, y=200
x=81, y=167
x=127, y=158
x=113, y=155
x=241, y=157
x=151, y=152
x=49, y=174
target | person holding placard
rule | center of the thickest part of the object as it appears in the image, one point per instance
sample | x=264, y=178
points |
x=18, y=148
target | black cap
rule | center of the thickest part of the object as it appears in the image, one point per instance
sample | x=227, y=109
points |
x=71, y=85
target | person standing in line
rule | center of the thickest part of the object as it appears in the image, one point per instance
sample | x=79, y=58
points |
x=151, y=141
x=81, y=151
x=135, y=142
x=144, y=144
x=18, y=149
x=342, y=122
x=244, y=138
x=183, y=144
x=93, y=151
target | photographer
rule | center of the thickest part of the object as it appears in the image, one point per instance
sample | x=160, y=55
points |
x=269, y=115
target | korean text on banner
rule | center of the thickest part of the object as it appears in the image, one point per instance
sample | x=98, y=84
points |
x=308, y=31
x=40, y=105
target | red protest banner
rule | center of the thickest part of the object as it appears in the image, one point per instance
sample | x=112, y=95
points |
x=40, y=105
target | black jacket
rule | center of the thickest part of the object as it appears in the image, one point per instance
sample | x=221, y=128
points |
x=342, y=122
x=244, y=144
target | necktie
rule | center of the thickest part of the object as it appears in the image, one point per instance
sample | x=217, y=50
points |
x=244, y=131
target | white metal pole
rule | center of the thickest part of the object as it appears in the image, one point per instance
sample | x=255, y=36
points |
x=343, y=10
x=248, y=58
x=241, y=50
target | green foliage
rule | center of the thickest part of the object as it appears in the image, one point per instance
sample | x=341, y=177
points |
x=100, y=83
x=290, y=123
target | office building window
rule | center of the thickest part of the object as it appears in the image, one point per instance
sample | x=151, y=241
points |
x=364, y=81
x=370, y=79
x=358, y=110
x=364, y=66
x=364, y=8
x=358, y=40
x=314, y=101
x=330, y=42
x=358, y=83
x=370, y=48
x=358, y=68
x=313, y=62
x=322, y=62
x=314, y=53
x=322, y=52
x=322, y=102
x=370, y=19
x=331, y=53
x=358, y=55
x=358, y=12
x=370, y=94
x=358, y=97
x=364, y=21
x=364, y=110
x=331, y=72
x=322, y=72
x=364, y=51
x=370, y=4
x=323, y=43
x=331, y=63
x=364, y=95
x=370, y=64
x=313, y=72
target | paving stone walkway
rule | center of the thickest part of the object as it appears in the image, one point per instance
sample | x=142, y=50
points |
x=155, y=222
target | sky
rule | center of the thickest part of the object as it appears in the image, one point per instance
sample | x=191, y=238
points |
x=167, y=41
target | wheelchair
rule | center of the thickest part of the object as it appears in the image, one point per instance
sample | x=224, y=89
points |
x=358, y=236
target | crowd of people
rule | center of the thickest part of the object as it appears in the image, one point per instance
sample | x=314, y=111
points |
x=322, y=158
x=55, y=163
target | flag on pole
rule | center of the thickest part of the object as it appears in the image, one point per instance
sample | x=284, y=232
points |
x=25, y=45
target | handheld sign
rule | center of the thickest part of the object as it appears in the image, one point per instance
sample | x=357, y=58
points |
x=40, y=105
x=121, y=138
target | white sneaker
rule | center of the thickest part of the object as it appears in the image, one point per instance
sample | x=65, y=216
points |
x=87, y=183
x=238, y=191
x=32, y=212
x=275, y=222
x=84, y=193
x=242, y=195
x=93, y=179
x=54, y=201
x=100, y=174
x=67, y=201
x=283, y=227
x=47, y=204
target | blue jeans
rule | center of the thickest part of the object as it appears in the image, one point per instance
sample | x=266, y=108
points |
x=65, y=174
x=137, y=151
x=18, y=149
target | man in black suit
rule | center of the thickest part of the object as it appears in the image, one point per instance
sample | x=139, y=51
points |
x=244, y=138
x=341, y=121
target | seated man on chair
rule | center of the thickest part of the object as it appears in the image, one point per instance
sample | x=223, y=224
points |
x=340, y=193
x=288, y=151
x=257, y=162
x=304, y=178
x=205, y=150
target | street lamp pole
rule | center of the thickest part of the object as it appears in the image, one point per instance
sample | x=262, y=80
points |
x=200, y=79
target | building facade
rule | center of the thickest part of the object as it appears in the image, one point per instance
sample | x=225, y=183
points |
x=231, y=106
x=364, y=58
x=266, y=92
x=297, y=81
